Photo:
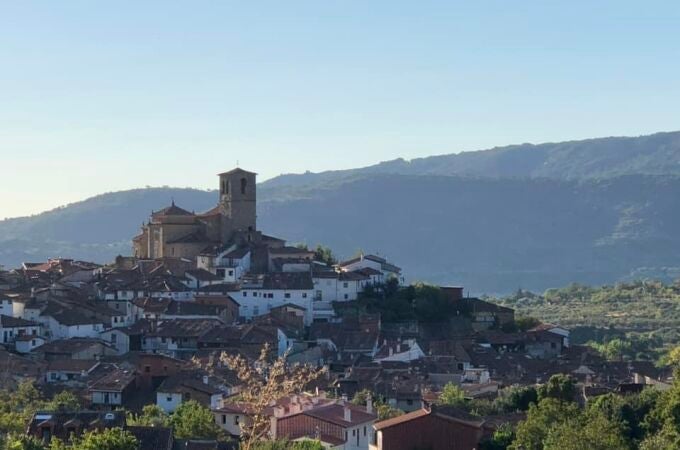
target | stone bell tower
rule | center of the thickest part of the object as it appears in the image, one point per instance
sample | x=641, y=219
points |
x=238, y=199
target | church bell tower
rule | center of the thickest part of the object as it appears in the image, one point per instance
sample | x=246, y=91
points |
x=238, y=198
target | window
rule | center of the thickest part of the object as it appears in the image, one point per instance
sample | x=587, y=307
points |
x=147, y=369
x=286, y=295
x=346, y=297
x=235, y=420
x=224, y=419
x=304, y=295
x=231, y=273
x=168, y=398
x=553, y=345
x=345, y=285
x=244, y=184
x=364, y=431
x=114, y=338
x=245, y=294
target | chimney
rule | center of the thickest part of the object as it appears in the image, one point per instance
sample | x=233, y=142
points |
x=205, y=379
x=344, y=398
x=398, y=348
x=369, y=404
x=348, y=414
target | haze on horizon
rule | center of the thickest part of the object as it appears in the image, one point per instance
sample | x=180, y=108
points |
x=105, y=97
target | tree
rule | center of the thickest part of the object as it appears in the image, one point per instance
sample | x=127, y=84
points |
x=265, y=382
x=191, y=420
x=518, y=398
x=541, y=418
x=668, y=438
x=451, y=395
x=63, y=401
x=580, y=432
x=500, y=440
x=24, y=443
x=560, y=386
x=152, y=416
x=324, y=255
x=106, y=439
x=526, y=323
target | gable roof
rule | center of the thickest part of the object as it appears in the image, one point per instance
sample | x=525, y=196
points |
x=172, y=210
x=236, y=170
x=14, y=322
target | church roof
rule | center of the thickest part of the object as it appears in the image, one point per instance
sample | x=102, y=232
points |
x=172, y=210
x=236, y=170
x=192, y=238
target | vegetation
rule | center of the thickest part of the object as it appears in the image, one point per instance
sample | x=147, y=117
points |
x=451, y=395
x=286, y=445
x=638, y=320
x=419, y=301
x=106, y=439
x=382, y=409
x=265, y=381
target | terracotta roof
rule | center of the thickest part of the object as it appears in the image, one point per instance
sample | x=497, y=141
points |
x=335, y=413
x=401, y=419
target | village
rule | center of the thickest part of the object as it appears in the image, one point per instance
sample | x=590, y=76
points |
x=140, y=330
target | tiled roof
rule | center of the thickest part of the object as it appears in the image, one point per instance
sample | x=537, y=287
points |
x=14, y=322
x=335, y=413
x=172, y=210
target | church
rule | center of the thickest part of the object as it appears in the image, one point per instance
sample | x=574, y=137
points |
x=174, y=232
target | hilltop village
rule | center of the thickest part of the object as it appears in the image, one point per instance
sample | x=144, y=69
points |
x=137, y=332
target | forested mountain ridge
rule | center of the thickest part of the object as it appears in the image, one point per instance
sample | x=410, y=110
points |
x=656, y=154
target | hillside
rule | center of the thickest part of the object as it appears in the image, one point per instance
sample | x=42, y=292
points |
x=491, y=235
x=656, y=154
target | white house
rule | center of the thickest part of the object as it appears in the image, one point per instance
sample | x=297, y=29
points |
x=404, y=351
x=260, y=293
x=229, y=264
x=374, y=262
x=6, y=307
x=26, y=344
x=12, y=328
x=59, y=323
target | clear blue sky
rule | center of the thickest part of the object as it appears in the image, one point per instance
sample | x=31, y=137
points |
x=102, y=96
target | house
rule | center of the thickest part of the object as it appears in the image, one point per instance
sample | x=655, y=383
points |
x=555, y=330
x=229, y=306
x=404, y=351
x=485, y=315
x=12, y=328
x=374, y=262
x=178, y=336
x=127, y=339
x=192, y=385
x=197, y=278
x=45, y=425
x=112, y=390
x=15, y=368
x=60, y=322
x=27, y=343
x=60, y=370
x=6, y=307
x=434, y=429
x=260, y=293
x=228, y=264
x=152, y=438
x=338, y=424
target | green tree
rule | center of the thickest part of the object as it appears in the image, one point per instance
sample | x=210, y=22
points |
x=106, y=439
x=517, y=398
x=668, y=438
x=325, y=255
x=191, y=420
x=541, y=418
x=24, y=443
x=500, y=440
x=63, y=401
x=451, y=395
x=152, y=416
x=560, y=386
x=594, y=432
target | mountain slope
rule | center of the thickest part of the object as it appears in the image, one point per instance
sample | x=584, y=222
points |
x=656, y=154
x=492, y=235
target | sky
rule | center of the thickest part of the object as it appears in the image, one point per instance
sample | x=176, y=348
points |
x=105, y=96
